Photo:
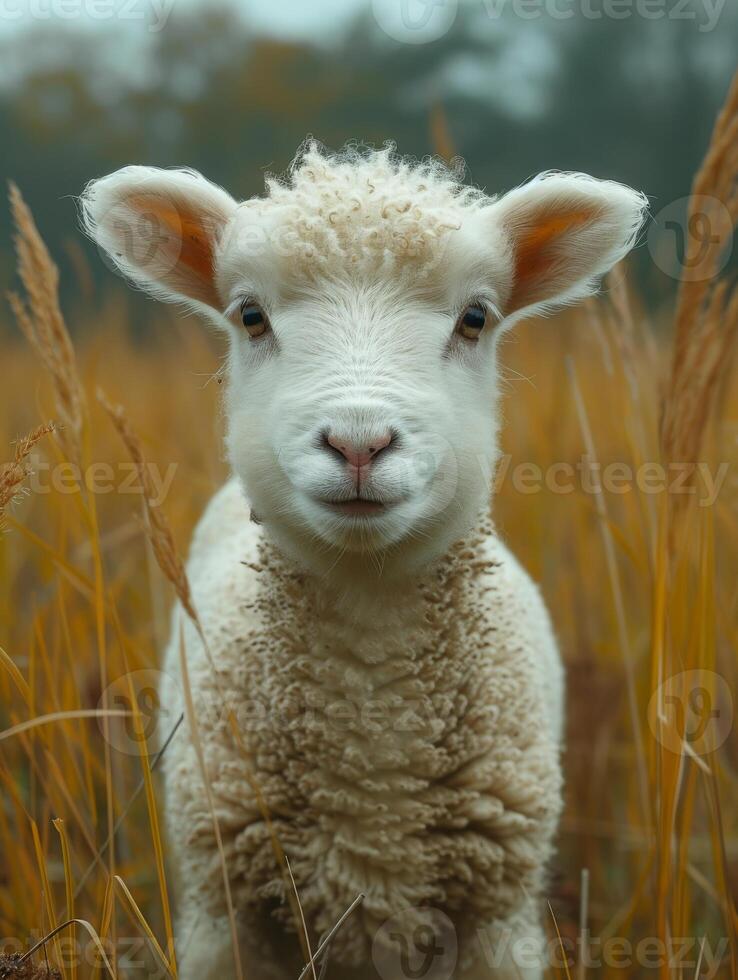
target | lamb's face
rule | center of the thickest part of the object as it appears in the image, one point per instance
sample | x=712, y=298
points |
x=363, y=412
x=364, y=302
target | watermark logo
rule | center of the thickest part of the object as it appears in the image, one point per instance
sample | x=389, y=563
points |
x=142, y=718
x=692, y=712
x=415, y=21
x=147, y=235
x=691, y=239
x=417, y=943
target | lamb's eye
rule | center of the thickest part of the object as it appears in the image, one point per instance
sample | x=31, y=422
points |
x=254, y=319
x=471, y=322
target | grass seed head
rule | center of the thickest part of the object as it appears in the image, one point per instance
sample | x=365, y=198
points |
x=14, y=473
x=40, y=318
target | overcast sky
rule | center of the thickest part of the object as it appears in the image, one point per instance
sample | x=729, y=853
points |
x=300, y=17
x=286, y=18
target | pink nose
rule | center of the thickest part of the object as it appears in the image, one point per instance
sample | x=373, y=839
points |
x=358, y=456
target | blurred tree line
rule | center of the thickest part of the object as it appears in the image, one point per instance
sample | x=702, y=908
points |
x=628, y=99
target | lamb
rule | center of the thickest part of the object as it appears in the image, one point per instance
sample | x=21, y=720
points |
x=392, y=669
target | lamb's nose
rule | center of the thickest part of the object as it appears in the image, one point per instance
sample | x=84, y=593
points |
x=359, y=455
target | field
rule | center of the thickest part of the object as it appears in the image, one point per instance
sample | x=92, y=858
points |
x=607, y=413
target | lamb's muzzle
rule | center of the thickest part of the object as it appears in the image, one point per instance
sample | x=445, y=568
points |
x=392, y=669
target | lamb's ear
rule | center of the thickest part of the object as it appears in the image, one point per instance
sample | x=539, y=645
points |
x=161, y=229
x=562, y=232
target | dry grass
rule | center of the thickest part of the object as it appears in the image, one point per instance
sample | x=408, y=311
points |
x=40, y=318
x=83, y=603
x=14, y=473
x=706, y=318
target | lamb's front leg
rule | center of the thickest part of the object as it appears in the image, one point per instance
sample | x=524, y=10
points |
x=205, y=947
x=203, y=934
x=204, y=939
x=512, y=949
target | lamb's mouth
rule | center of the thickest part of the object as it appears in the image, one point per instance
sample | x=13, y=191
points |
x=356, y=507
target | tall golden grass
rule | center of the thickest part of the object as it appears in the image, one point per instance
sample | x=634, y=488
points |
x=641, y=584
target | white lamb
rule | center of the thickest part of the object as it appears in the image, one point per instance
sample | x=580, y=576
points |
x=391, y=667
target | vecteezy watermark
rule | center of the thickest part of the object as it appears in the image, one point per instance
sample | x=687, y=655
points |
x=421, y=944
x=99, y=478
x=436, y=470
x=532, y=952
x=132, y=955
x=691, y=711
x=417, y=943
x=423, y=21
x=146, y=722
x=156, y=12
x=588, y=476
x=691, y=239
x=148, y=233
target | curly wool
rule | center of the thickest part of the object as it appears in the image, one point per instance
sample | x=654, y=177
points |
x=366, y=211
x=416, y=762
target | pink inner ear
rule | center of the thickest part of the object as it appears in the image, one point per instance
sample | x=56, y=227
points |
x=187, y=243
x=536, y=251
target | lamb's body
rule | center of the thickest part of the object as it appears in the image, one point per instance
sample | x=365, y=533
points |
x=406, y=747
x=393, y=675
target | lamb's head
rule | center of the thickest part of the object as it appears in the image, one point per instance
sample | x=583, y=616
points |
x=364, y=298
